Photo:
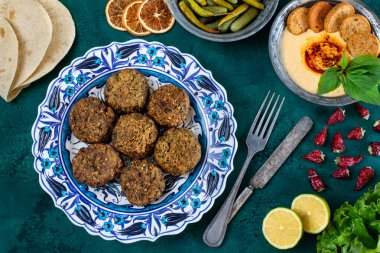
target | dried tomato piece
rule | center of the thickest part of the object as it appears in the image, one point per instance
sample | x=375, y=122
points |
x=337, y=145
x=337, y=116
x=316, y=181
x=374, y=148
x=342, y=172
x=315, y=156
x=363, y=112
x=348, y=161
x=366, y=174
x=356, y=134
x=321, y=137
x=376, y=126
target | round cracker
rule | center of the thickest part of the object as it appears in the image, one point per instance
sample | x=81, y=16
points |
x=336, y=16
x=317, y=15
x=8, y=59
x=33, y=29
x=297, y=21
x=362, y=44
x=354, y=24
x=62, y=39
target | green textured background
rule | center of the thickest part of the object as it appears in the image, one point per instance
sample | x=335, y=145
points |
x=29, y=222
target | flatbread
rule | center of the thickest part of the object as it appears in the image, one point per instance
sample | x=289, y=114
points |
x=61, y=42
x=8, y=59
x=33, y=29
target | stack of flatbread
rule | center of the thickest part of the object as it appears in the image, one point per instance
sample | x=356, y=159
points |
x=34, y=37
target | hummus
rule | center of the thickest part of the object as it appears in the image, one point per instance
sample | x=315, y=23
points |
x=307, y=56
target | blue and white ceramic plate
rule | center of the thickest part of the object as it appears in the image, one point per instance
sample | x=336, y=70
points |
x=105, y=211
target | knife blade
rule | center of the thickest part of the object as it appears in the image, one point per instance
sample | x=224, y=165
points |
x=274, y=162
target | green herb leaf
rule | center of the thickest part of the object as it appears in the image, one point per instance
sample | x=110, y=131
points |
x=368, y=95
x=358, y=71
x=365, y=60
x=372, y=71
x=360, y=78
x=364, y=81
x=375, y=226
x=329, y=81
x=344, y=61
x=358, y=247
x=349, y=233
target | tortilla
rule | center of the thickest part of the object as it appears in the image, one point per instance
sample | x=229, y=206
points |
x=33, y=29
x=61, y=42
x=8, y=59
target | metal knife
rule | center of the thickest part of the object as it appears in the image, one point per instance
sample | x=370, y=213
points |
x=274, y=162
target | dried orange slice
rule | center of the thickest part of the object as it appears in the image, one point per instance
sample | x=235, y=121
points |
x=114, y=13
x=155, y=16
x=131, y=21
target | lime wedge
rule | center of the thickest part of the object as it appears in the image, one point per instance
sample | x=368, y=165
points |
x=314, y=212
x=282, y=228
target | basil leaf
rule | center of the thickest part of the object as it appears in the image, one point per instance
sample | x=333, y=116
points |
x=374, y=74
x=358, y=71
x=373, y=70
x=365, y=60
x=342, y=78
x=344, y=61
x=370, y=95
x=363, y=81
x=329, y=81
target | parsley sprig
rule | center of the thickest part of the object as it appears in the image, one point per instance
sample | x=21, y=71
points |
x=360, y=78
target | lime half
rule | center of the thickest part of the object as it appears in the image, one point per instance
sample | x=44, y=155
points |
x=314, y=212
x=282, y=228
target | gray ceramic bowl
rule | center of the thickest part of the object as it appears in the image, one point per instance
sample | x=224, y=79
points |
x=278, y=27
x=261, y=20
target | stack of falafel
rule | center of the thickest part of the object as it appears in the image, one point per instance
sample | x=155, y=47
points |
x=130, y=119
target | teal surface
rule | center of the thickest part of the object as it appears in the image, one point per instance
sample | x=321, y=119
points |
x=29, y=222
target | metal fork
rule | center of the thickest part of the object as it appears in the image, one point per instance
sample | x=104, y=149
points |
x=256, y=141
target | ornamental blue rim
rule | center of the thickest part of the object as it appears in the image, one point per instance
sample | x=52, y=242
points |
x=223, y=94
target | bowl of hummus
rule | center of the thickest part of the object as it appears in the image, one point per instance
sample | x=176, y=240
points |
x=301, y=51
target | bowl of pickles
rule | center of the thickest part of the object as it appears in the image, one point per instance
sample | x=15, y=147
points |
x=223, y=20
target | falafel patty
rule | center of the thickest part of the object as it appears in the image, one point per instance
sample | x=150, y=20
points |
x=169, y=105
x=91, y=120
x=142, y=182
x=127, y=91
x=134, y=135
x=97, y=164
x=178, y=151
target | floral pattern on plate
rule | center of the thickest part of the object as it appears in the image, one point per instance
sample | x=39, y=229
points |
x=105, y=211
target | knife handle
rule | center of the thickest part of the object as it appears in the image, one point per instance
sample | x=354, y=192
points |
x=282, y=152
x=274, y=162
x=240, y=201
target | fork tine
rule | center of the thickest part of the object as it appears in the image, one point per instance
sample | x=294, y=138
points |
x=258, y=114
x=274, y=120
x=264, y=115
x=269, y=118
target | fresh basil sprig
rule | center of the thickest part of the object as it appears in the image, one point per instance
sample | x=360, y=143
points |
x=360, y=78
